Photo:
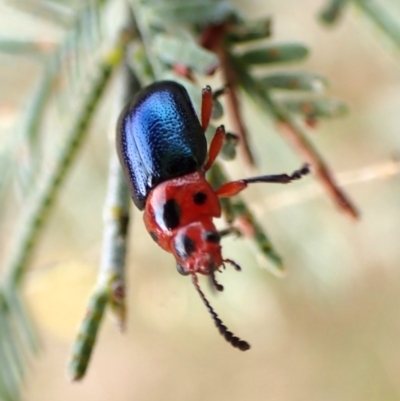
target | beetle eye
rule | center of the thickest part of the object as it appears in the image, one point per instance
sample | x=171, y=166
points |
x=181, y=270
x=184, y=246
x=212, y=236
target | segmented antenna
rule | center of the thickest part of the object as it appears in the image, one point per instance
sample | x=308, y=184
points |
x=228, y=335
x=215, y=283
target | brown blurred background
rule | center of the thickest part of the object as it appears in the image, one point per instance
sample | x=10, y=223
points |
x=330, y=330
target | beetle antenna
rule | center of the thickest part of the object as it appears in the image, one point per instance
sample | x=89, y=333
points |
x=233, y=263
x=214, y=281
x=228, y=335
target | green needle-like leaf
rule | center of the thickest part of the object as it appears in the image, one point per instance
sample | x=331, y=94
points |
x=33, y=219
x=191, y=11
x=317, y=108
x=300, y=81
x=179, y=51
x=275, y=53
x=333, y=11
x=246, y=31
x=87, y=334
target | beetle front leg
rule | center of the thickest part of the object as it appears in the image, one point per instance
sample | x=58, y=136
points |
x=215, y=146
x=234, y=187
x=207, y=100
x=206, y=106
x=232, y=230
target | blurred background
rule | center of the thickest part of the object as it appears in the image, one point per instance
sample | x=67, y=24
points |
x=329, y=330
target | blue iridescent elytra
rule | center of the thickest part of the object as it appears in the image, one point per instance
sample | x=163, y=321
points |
x=159, y=137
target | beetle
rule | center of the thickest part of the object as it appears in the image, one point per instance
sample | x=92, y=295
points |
x=163, y=152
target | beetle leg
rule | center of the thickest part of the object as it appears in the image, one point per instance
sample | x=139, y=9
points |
x=229, y=231
x=221, y=91
x=214, y=282
x=215, y=146
x=234, y=187
x=207, y=98
x=206, y=106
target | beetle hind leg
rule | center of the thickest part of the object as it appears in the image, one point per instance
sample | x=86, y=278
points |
x=234, y=187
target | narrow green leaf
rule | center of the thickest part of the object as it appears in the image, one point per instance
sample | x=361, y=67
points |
x=139, y=63
x=31, y=48
x=7, y=391
x=58, y=14
x=87, y=335
x=173, y=50
x=218, y=110
x=14, y=349
x=333, y=11
x=10, y=379
x=301, y=81
x=245, y=31
x=28, y=130
x=318, y=108
x=275, y=53
x=191, y=12
x=116, y=222
x=22, y=322
x=228, y=151
x=34, y=217
x=259, y=237
x=383, y=17
x=5, y=168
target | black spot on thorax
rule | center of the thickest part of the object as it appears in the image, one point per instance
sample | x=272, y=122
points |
x=171, y=214
x=199, y=198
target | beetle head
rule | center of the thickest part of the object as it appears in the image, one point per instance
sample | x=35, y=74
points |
x=197, y=248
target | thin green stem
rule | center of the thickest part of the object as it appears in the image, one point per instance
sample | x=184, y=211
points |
x=32, y=221
x=87, y=334
x=147, y=37
x=381, y=18
x=110, y=288
x=116, y=219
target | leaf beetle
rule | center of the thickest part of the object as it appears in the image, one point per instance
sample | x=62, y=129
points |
x=163, y=152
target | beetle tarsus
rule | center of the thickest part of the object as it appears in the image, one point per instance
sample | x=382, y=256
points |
x=280, y=178
x=218, y=286
x=234, y=264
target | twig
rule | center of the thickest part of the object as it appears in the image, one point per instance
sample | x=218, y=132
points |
x=87, y=334
x=293, y=133
x=116, y=219
x=32, y=221
x=110, y=287
x=147, y=36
